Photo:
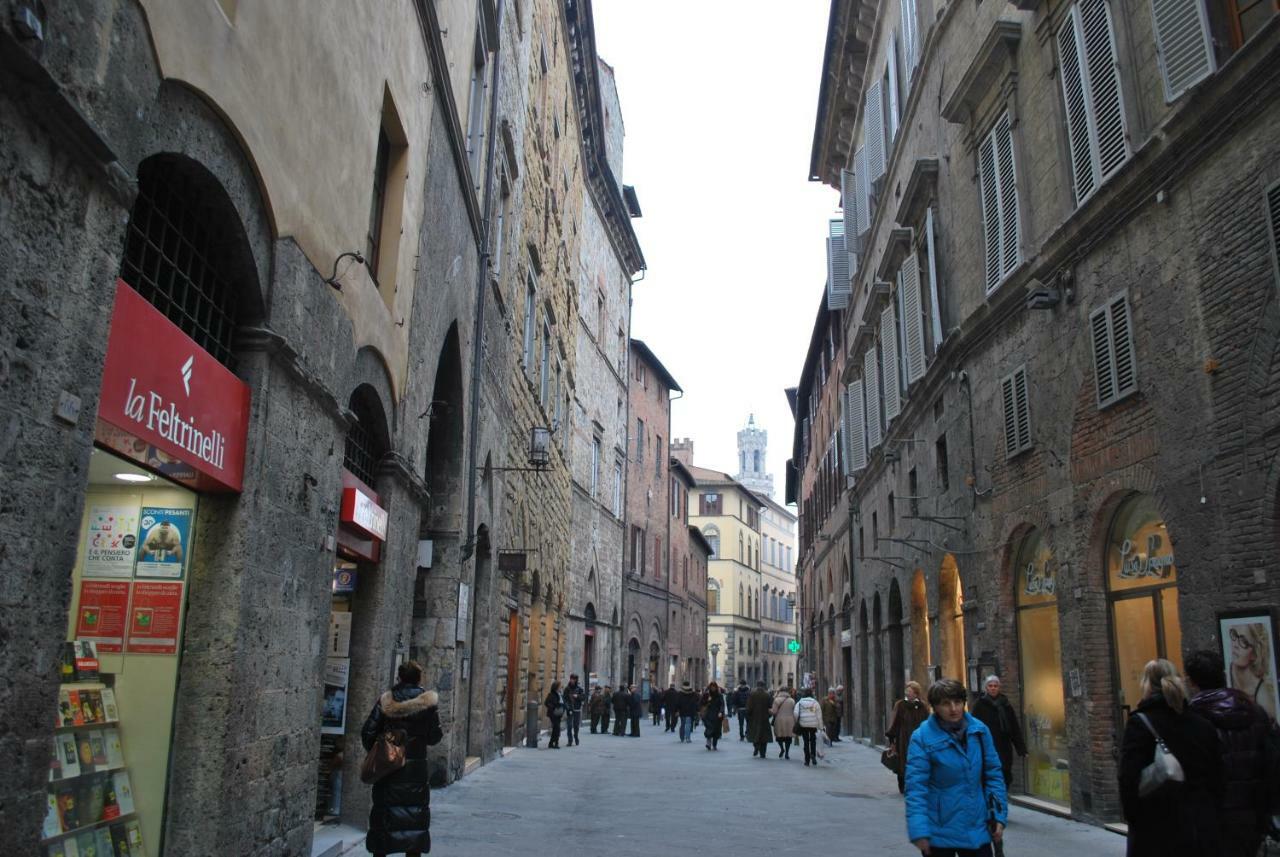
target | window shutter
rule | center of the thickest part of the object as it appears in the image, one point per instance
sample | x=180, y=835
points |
x=889, y=363
x=863, y=190
x=842, y=438
x=1010, y=417
x=838, y=286
x=873, y=128
x=871, y=376
x=1182, y=44
x=1104, y=85
x=909, y=37
x=1273, y=216
x=1008, y=197
x=1103, y=361
x=912, y=323
x=934, y=290
x=849, y=201
x=1017, y=412
x=856, y=431
x=990, y=209
x=1073, y=92
x=1122, y=347
x=891, y=65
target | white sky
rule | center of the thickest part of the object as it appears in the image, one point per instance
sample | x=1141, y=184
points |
x=719, y=99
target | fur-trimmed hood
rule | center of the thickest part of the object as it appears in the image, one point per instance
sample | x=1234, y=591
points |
x=401, y=709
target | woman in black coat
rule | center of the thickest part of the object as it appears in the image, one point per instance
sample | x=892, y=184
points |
x=712, y=712
x=1183, y=821
x=400, y=819
x=555, y=710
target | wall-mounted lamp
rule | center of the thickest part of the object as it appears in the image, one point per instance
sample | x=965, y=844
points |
x=333, y=278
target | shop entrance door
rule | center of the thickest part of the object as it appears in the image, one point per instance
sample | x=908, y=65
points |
x=513, y=673
x=1146, y=627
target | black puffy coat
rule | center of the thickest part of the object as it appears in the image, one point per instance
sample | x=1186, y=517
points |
x=1183, y=823
x=687, y=703
x=621, y=702
x=400, y=819
x=1243, y=728
x=1002, y=722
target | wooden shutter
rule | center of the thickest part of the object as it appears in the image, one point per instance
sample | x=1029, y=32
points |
x=1272, y=201
x=990, y=209
x=1104, y=85
x=1077, y=104
x=849, y=201
x=871, y=376
x=856, y=430
x=889, y=363
x=1007, y=175
x=1114, y=360
x=1017, y=412
x=891, y=74
x=838, y=286
x=910, y=42
x=1183, y=44
x=912, y=322
x=873, y=128
x=863, y=190
x=935, y=292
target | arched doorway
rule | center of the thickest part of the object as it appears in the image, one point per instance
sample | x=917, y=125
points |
x=897, y=669
x=633, y=657
x=1142, y=586
x=1040, y=669
x=846, y=658
x=877, y=721
x=588, y=643
x=921, y=659
x=951, y=621
x=864, y=669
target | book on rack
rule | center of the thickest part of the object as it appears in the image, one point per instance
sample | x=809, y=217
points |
x=95, y=705
x=55, y=761
x=65, y=717
x=123, y=791
x=110, y=807
x=109, y=705
x=52, y=818
x=120, y=841
x=67, y=665
x=77, y=713
x=98, y=744
x=86, y=752
x=95, y=797
x=115, y=752
x=133, y=830
x=86, y=660
x=64, y=848
x=68, y=809
x=69, y=754
x=102, y=838
x=87, y=843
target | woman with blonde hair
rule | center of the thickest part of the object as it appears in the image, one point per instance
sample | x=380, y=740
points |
x=908, y=713
x=1251, y=664
x=1180, y=820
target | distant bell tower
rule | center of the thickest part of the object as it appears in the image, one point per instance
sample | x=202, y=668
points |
x=753, y=441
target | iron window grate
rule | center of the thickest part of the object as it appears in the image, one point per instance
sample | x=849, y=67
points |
x=171, y=245
x=360, y=457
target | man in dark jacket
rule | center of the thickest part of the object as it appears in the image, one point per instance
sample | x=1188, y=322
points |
x=637, y=711
x=621, y=709
x=655, y=704
x=739, y=699
x=595, y=707
x=574, y=696
x=758, y=705
x=606, y=708
x=994, y=709
x=687, y=707
x=1247, y=734
x=670, y=699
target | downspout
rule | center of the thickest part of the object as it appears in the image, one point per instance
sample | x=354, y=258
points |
x=671, y=572
x=477, y=349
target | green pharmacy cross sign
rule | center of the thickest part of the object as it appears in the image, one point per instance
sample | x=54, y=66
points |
x=793, y=646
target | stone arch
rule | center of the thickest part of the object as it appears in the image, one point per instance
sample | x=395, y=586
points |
x=877, y=632
x=897, y=655
x=446, y=452
x=864, y=668
x=921, y=658
x=951, y=650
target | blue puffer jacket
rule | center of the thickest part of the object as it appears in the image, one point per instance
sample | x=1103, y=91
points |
x=947, y=784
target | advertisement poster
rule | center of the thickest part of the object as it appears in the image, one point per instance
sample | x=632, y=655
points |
x=111, y=540
x=104, y=606
x=164, y=538
x=333, y=720
x=154, y=617
x=339, y=634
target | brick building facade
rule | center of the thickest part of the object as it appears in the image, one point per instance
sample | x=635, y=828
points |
x=1061, y=346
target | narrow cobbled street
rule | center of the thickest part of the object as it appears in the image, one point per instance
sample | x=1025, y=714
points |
x=652, y=795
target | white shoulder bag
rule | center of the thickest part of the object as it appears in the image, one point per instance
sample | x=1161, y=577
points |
x=1165, y=771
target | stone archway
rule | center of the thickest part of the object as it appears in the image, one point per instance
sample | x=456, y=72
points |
x=920, y=652
x=877, y=634
x=951, y=651
x=897, y=655
x=864, y=669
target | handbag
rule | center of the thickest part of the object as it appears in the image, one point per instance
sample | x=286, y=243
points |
x=724, y=724
x=1165, y=771
x=558, y=711
x=386, y=756
x=891, y=760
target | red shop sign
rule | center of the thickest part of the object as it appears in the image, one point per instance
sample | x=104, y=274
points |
x=166, y=391
x=362, y=521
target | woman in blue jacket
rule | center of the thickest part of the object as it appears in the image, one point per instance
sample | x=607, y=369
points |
x=956, y=800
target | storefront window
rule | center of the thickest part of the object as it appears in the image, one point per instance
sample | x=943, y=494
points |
x=1040, y=657
x=1142, y=579
x=109, y=764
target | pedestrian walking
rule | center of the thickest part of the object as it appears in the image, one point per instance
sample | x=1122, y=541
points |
x=808, y=720
x=956, y=802
x=687, y=707
x=606, y=708
x=713, y=715
x=994, y=709
x=1180, y=820
x=621, y=709
x=908, y=714
x=831, y=716
x=1247, y=735
x=784, y=721
x=637, y=711
x=400, y=818
x=574, y=696
x=555, y=710
x=671, y=706
x=595, y=708
x=740, y=697
x=758, y=730
x=655, y=705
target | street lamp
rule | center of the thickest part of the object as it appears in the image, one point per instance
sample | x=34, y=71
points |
x=715, y=671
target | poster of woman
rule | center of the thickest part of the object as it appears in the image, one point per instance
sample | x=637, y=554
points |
x=1248, y=648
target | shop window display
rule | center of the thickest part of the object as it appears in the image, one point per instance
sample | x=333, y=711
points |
x=1040, y=658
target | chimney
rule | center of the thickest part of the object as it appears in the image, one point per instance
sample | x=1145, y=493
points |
x=682, y=451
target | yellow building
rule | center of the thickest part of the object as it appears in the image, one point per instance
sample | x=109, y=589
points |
x=778, y=579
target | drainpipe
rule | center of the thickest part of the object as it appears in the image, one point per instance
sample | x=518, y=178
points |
x=477, y=354
x=666, y=656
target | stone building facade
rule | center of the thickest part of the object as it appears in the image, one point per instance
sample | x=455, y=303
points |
x=687, y=628
x=647, y=594
x=361, y=293
x=778, y=594
x=1042, y=487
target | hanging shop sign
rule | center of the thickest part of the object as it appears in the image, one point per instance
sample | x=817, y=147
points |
x=362, y=522
x=171, y=396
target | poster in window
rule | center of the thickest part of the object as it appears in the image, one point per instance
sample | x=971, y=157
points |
x=1249, y=651
x=334, y=718
x=154, y=617
x=102, y=612
x=164, y=538
x=111, y=540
